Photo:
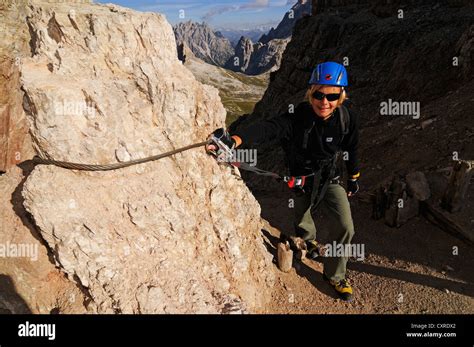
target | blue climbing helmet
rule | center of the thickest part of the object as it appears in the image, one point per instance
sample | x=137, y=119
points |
x=330, y=74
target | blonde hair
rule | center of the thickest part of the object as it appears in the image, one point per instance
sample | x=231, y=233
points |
x=315, y=87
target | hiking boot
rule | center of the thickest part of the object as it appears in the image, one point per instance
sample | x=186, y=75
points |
x=342, y=287
x=314, y=250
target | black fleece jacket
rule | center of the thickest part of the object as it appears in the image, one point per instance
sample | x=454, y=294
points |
x=324, y=140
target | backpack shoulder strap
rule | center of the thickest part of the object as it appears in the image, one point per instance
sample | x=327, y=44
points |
x=345, y=119
x=307, y=131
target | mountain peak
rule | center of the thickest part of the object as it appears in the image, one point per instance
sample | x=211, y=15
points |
x=204, y=42
x=285, y=27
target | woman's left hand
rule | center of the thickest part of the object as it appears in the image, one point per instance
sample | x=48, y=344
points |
x=352, y=187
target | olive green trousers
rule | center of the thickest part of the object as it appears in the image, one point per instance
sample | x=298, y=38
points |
x=339, y=211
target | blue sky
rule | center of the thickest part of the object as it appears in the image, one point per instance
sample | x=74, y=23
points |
x=235, y=14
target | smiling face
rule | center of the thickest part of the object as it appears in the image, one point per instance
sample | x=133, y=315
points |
x=324, y=108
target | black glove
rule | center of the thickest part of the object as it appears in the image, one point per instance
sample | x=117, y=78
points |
x=220, y=144
x=222, y=135
x=352, y=186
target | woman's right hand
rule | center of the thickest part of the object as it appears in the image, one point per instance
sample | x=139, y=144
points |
x=222, y=136
x=211, y=147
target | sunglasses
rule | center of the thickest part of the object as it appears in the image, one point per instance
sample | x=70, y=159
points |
x=330, y=97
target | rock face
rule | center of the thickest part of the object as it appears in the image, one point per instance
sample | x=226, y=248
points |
x=206, y=44
x=103, y=84
x=15, y=143
x=423, y=72
x=29, y=282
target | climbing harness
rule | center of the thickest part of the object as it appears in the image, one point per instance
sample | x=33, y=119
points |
x=320, y=186
x=224, y=154
x=292, y=181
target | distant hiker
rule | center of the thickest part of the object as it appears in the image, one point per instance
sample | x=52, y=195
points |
x=314, y=136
